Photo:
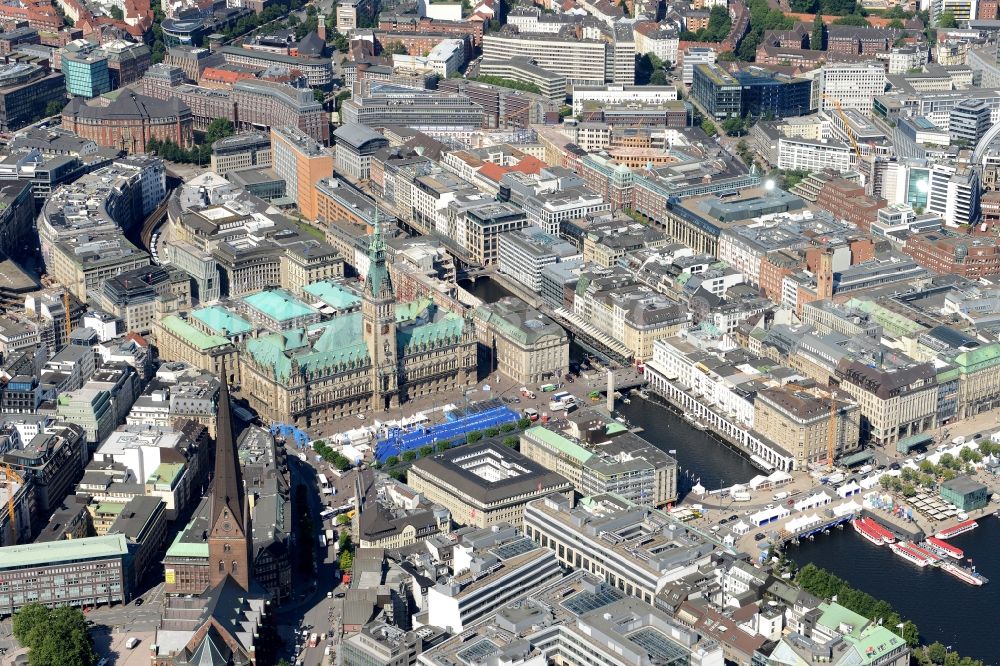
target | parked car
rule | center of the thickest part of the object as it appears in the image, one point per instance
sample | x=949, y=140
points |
x=759, y=536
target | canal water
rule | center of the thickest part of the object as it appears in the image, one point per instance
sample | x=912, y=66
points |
x=485, y=289
x=699, y=455
x=944, y=608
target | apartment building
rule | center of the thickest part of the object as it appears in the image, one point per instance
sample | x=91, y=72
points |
x=423, y=110
x=581, y=56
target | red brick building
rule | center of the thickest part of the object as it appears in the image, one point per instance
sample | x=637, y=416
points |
x=949, y=252
x=407, y=23
x=130, y=121
x=848, y=200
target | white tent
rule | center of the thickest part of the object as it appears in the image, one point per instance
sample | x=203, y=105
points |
x=802, y=522
x=758, y=481
x=765, y=516
x=779, y=477
x=698, y=489
x=813, y=501
x=740, y=527
x=848, y=489
x=847, y=508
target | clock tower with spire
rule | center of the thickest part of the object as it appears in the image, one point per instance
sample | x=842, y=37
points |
x=378, y=315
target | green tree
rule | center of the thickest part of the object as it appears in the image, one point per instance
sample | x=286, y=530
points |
x=54, y=107
x=393, y=48
x=473, y=437
x=441, y=447
x=896, y=24
x=426, y=451
x=852, y=19
x=659, y=78
x=816, y=37
x=346, y=560
x=511, y=442
x=219, y=128
x=319, y=95
x=492, y=432
x=885, y=481
x=708, y=127
x=947, y=20
x=340, y=42
x=116, y=13
x=409, y=456
x=342, y=519
x=733, y=126
x=936, y=652
x=391, y=461
x=54, y=637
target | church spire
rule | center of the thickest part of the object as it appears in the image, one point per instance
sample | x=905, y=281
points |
x=227, y=487
x=229, y=545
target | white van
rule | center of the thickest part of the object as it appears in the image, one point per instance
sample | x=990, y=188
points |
x=132, y=642
x=777, y=497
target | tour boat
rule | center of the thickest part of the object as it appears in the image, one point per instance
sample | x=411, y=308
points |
x=965, y=575
x=861, y=526
x=907, y=551
x=961, y=528
x=945, y=548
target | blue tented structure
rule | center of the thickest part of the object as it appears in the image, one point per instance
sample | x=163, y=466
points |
x=459, y=422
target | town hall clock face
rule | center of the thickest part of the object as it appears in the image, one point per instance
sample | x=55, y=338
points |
x=227, y=527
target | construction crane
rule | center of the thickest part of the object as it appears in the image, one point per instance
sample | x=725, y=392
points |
x=831, y=431
x=11, y=476
x=843, y=116
x=67, y=318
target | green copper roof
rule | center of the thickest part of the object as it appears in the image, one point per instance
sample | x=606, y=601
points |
x=980, y=358
x=68, y=550
x=166, y=474
x=222, y=321
x=184, y=549
x=565, y=446
x=450, y=326
x=190, y=334
x=323, y=346
x=333, y=295
x=891, y=321
x=279, y=305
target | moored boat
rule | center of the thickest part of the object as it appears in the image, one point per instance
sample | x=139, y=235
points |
x=961, y=528
x=906, y=550
x=969, y=576
x=944, y=548
x=861, y=526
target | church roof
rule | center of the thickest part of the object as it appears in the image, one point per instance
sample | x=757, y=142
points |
x=212, y=651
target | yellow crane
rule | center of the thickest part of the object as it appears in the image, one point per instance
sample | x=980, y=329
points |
x=843, y=116
x=67, y=318
x=11, y=476
x=831, y=431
